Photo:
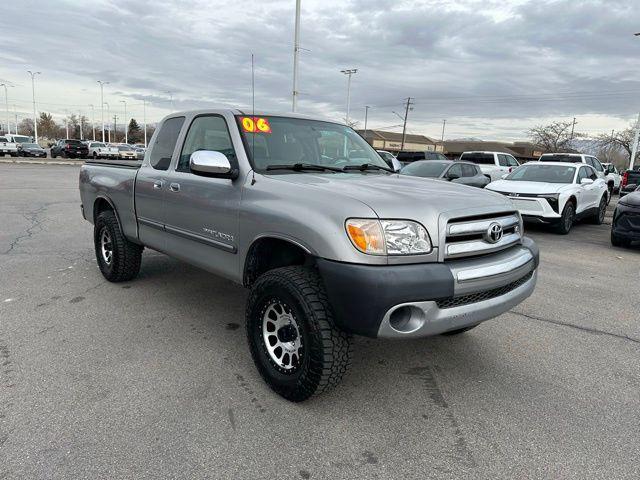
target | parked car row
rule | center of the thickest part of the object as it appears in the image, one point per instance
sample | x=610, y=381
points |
x=72, y=148
x=557, y=190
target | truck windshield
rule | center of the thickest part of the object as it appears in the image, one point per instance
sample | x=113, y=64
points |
x=275, y=140
x=21, y=139
x=543, y=173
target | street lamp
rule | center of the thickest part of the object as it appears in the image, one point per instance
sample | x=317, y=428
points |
x=349, y=72
x=93, y=121
x=144, y=121
x=6, y=102
x=102, y=84
x=33, y=94
x=126, y=126
x=108, y=124
x=634, y=148
x=296, y=51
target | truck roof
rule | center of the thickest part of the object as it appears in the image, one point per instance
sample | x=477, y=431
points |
x=248, y=112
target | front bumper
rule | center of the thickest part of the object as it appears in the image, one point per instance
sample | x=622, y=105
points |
x=418, y=300
x=626, y=222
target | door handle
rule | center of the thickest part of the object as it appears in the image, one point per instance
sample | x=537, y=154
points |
x=174, y=187
x=158, y=184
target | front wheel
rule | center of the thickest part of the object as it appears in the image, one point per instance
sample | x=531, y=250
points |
x=566, y=221
x=618, y=241
x=292, y=336
x=118, y=258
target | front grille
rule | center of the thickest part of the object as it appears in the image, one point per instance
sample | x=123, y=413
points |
x=451, y=302
x=466, y=237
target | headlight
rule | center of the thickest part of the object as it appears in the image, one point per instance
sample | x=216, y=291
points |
x=388, y=237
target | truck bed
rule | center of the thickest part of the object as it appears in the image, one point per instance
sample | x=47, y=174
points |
x=134, y=164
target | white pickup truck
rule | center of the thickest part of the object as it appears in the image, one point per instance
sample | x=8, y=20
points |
x=492, y=164
x=7, y=147
x=102, y=150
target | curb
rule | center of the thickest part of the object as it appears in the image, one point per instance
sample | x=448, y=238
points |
x=41, y=162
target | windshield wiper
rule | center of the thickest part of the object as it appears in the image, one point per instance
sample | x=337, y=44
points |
x=298, y=167
x=368, y=166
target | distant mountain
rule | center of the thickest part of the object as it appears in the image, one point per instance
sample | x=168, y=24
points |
x=465, y=139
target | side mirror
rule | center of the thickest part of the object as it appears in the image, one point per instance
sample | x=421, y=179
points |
x=504, y=176
x=211, y=164
x=452, y=176
x=586, y=181
x=396, y=165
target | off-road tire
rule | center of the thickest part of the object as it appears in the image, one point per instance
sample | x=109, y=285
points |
x=326, y=350
x=126, y=256
x=567, y=219
x=458, y=331
x=598, y=217
x=53, y=154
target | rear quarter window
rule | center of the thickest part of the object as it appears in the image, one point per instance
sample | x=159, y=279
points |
x=478, y=158
x=165, y=143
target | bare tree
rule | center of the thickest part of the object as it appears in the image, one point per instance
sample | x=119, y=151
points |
x=621, y=141
x=25, y=127
x=554, y=137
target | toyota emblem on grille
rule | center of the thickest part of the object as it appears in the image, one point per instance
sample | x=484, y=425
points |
x=494, y=233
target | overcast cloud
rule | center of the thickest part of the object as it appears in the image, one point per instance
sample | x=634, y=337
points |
x=491, y=68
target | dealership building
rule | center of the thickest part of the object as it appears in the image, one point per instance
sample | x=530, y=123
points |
x=392, y=141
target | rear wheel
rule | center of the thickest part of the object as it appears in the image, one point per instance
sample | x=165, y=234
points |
x=294, y=342
x=566, y=221
x=118, y=258
x=598, y=217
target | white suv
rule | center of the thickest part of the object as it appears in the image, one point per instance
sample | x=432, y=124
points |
x=555, y=193
x=574, y=158
x=492, y=164
x=613, y=177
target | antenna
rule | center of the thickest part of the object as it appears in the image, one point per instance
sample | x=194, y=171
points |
x=253, y=118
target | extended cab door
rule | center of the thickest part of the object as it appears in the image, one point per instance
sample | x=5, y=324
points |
x=202, y=211
x=151, y=184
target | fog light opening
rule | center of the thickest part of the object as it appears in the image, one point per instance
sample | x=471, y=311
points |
x=406, y=319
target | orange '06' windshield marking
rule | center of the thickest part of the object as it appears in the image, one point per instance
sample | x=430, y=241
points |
x=255, y=124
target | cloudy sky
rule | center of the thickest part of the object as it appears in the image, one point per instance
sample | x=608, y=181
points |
x=492, y=69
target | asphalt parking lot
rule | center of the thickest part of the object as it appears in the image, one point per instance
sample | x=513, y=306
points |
x=153, y=378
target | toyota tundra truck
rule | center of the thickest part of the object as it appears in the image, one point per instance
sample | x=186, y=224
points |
x=329, y=239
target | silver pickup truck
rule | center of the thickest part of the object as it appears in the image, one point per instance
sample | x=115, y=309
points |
x=330, y=240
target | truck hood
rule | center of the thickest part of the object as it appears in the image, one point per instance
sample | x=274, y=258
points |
x=508, y=186
x=402, y=196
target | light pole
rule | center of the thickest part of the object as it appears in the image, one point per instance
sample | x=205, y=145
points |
x=170, y=98
x=126, y=126
x=6, y=102
x=80, y=124
x=366, y=115
x=444, y=122
x=102, y=84
x=296, y=50
x=33, y=94
x=108, y=124
x=93, y=121
x=349, y=72
x=144, y=121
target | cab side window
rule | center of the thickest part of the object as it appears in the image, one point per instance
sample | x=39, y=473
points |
x=162, y=149
x=512, y=161
x=468, y=170
x=502, y=160
x=582, y=173
x=455, y=170
x=210, y=133
x=597, y=165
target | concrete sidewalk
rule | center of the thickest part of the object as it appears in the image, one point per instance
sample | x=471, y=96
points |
x=35, y=161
